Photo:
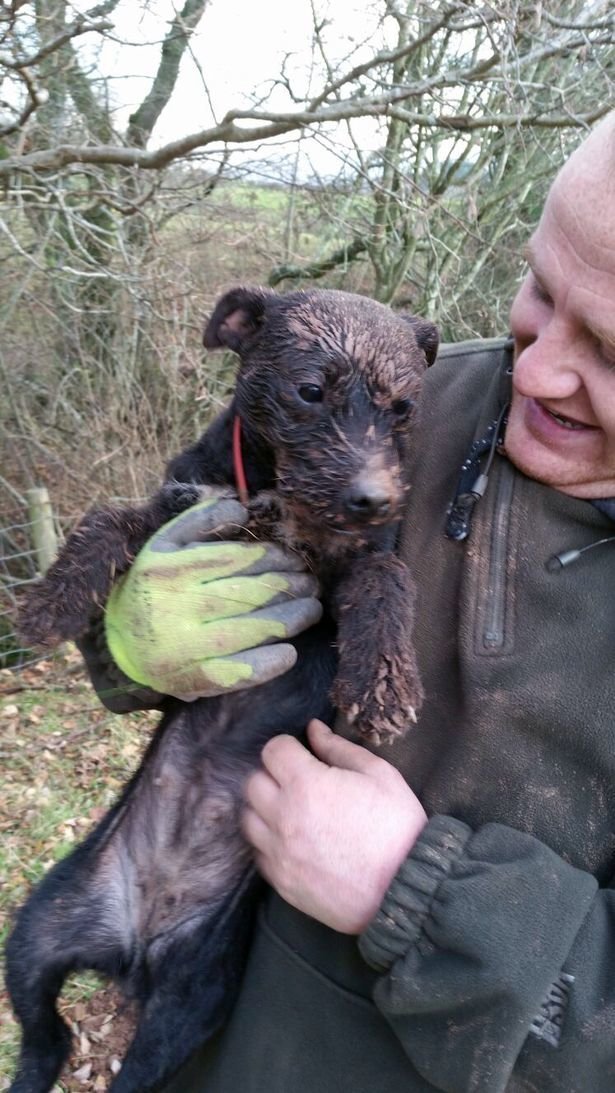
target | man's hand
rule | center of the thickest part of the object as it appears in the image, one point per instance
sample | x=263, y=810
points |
x=195, y=616
x=330, y=830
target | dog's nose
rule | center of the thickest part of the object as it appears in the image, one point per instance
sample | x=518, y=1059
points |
x=367, y=501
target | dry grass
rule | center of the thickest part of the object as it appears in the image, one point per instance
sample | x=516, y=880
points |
x=95, y=408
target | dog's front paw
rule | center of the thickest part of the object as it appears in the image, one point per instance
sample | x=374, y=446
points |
x=48, y=616
x=382, y=700
x=175, y=497
x=266, y=517
x=378, y=686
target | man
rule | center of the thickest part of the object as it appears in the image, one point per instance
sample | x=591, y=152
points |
x=443, y=916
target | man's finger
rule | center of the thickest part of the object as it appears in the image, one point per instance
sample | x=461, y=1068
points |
x=255, y=830
x=261, y=794
x=335, y=751
x=284, y=758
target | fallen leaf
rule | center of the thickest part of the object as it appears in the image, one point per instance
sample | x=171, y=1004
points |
x=84, y=1072
x=42, y=667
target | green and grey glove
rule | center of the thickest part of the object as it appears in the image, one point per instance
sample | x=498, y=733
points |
x=196, y=616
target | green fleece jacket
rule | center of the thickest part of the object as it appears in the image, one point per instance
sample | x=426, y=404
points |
x=491, y=964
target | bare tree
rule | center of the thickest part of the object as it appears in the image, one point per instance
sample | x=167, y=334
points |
x=486, y=100
x=111, y=247
x=88, y=224
x=507, y=44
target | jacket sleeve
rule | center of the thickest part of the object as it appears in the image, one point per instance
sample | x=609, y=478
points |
x=497, y=962
x=115, y=690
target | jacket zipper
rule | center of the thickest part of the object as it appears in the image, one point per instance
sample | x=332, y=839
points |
x=493, y=632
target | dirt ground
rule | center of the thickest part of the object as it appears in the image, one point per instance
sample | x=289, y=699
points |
x=102, y=1027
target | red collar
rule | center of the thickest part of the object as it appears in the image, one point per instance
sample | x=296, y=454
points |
x=240, y=475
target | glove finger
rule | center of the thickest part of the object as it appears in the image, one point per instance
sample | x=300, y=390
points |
x=238, y=672
x=276, y=559
x=175, y=570
x=222, y=637
x=294, y=615
x=209, y=519
x=232, y=596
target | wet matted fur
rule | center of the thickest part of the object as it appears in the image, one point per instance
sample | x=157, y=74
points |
x=160, y=895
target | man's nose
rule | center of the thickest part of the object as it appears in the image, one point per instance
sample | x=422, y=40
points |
x=550, y=366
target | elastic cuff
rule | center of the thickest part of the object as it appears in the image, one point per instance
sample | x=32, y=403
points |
x=139, y=695
x=399, y=922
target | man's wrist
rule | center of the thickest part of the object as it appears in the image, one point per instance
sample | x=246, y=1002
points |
x=408, y=899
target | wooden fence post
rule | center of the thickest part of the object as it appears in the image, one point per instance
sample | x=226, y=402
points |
x=44, y=535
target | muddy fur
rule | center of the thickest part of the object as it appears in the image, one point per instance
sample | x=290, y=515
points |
x=161, y=894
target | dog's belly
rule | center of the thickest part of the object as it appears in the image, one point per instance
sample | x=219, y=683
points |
x=182, y=837
x=174, y=853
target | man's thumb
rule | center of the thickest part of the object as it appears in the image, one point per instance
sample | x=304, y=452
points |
x=338, y=752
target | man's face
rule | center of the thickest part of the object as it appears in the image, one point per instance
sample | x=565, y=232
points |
x=561, y=427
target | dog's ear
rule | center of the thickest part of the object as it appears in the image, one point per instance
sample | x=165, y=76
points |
x=236, y=318
x=426, y=334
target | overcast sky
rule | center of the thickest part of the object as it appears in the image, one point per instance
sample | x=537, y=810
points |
x=238, y=50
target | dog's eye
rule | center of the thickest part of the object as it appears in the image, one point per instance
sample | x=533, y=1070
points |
x=311, y=392
x=402, y=407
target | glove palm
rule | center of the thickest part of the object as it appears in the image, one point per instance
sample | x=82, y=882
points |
x=197, y=616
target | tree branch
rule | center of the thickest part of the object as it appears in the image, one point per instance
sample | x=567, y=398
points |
x=142, y=122
x=346, y=254
x=36, y=97
x=277, y=124
x=73, y=31
x=384, y=57
x=465, y=123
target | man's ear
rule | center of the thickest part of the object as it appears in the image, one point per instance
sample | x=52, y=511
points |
x=236, y=318
x=426, y=334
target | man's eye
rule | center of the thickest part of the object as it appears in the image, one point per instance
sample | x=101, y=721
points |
x=310, y=392
x=608, y=357
x=539, y=293
x=402, y=407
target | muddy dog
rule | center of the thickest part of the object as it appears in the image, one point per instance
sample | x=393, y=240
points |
x=160, y=895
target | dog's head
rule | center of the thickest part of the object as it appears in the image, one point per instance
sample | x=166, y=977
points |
x=329, y=382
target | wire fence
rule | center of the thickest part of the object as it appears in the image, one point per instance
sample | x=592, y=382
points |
x=27, y=548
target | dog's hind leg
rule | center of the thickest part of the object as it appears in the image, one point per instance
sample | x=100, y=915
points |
x=46, y=1038
x=68, y=923
x=194, y=985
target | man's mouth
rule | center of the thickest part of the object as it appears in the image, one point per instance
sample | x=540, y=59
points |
x=567, y=422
